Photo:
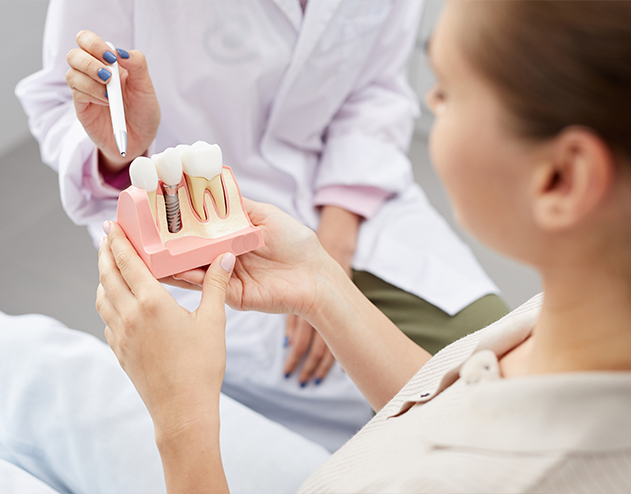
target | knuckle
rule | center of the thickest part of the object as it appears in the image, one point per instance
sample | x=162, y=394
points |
x=128, y=321
x=123, y=261
x=104, y=277
x=81, y=35
x=317, y=352
x=147, y=304
x=217, y=283
x=92, y=43
x=84, y=65
x=309, y=365
x=301, y=346
x=139, y=57
x=293, y=359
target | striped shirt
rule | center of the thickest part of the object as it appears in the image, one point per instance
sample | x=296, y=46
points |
x=458, y=427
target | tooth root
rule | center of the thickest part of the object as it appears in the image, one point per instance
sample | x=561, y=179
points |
x=152, y=202
x=216, y=189
x=196, y=189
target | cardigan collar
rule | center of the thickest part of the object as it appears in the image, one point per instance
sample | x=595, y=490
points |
x=554, y=412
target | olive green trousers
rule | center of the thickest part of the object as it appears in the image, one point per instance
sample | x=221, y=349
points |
x=424, y=323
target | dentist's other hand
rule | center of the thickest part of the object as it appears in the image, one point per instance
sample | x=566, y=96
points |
x=176, y=359
x=337, y=233
x=88, y=76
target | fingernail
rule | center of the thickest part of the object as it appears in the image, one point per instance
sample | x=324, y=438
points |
x=287, y=375
x=318, y=381
x=122, y=53
x=104, y=74
x=106, y=94
x=303, y=384
x=109, y=57
x=101, y=241
x=106, y=227
x=227, y=262
x=286, y=342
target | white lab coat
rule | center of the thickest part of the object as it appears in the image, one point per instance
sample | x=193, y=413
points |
x=296, y=104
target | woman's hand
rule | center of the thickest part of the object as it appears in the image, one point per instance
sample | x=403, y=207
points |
x=87, y=77
x=283, y=277
x=176, y=359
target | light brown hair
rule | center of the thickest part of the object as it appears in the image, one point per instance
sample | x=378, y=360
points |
x=556, y=64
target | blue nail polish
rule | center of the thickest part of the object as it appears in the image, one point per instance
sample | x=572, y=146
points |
x=122, y=53
x=286, y=342
x=104, y=74
x=287, y=375
x=109, y=57
x=106, y=94
x=318, y=381
x=303, y=384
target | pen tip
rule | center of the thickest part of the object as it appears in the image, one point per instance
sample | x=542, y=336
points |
x=123, y=153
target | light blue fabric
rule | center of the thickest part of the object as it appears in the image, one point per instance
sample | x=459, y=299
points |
x=70, y=416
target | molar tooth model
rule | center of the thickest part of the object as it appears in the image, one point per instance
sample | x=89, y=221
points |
x=202, y=163
x=173, y=224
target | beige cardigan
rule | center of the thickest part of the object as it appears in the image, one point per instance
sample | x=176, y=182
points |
x=461, y=428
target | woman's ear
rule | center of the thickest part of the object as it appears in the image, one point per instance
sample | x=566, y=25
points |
x=573, y=180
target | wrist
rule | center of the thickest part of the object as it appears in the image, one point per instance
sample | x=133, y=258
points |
x=178, y=423
x=109, y=166
x=337, y=232
x=330, y=302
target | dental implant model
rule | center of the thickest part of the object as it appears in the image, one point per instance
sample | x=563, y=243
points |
x=169, y=167
x=183, y=209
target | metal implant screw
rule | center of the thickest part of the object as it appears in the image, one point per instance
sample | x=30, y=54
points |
x=172, y=202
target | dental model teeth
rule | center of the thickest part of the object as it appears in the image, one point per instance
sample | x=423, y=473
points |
x=169, y=167
x=203, y=164
x=143, y=175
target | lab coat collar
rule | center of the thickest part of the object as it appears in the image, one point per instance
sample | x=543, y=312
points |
x=293, y=11
x=316, y=19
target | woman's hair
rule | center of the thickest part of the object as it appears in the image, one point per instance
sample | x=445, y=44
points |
x=556, y=64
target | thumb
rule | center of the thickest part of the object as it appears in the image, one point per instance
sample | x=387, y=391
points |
x=215, y=285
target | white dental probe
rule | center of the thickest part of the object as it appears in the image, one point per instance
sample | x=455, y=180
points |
x=117, y=111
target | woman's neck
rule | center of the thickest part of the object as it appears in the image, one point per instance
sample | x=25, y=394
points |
x=584, y=325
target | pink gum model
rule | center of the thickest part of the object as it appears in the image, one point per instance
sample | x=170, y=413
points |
x=185, y=249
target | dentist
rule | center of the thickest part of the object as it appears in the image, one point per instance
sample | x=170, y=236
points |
x=311, y=106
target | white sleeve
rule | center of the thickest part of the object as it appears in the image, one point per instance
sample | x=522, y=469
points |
x=368, y=139
x=47, y=101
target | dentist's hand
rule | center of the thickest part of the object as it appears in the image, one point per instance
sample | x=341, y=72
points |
x=87, y=77
x=337, y=233
x=176, y=359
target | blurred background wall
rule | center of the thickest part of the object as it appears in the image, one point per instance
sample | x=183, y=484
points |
x=48, y=265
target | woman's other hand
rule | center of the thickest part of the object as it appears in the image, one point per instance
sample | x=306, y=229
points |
x=88, y=76
x=175, y=358
x=283, y=277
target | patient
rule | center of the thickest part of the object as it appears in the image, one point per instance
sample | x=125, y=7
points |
x=533, y=141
